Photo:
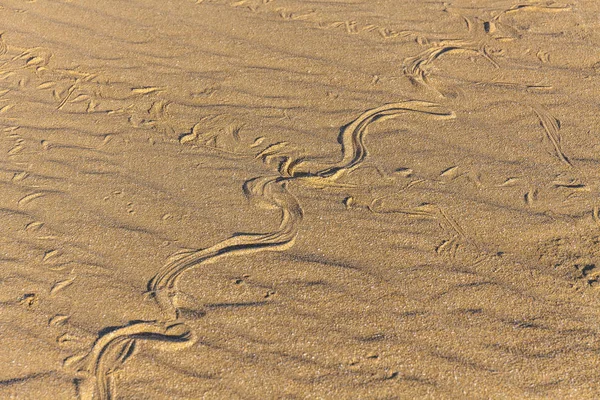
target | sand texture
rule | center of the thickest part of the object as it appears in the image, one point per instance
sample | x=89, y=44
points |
x=293, y=199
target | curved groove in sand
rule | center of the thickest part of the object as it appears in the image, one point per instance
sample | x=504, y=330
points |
x=273, y=191
x=267, y=189
x=415, y=68
x=112, y=349
x=352, y=135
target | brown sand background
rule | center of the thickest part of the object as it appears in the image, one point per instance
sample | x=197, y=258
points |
x=459, y=259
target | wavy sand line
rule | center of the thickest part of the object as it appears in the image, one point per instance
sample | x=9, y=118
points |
x=112, y=349
x=352, y=138
x=267, y=189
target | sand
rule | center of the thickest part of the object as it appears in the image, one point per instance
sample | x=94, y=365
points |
x=287, y=199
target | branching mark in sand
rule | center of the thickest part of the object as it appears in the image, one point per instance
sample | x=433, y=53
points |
x=431, y=212
x=551, y=126
x=514, y=85
x=209, y=133
x=79, y=91
x=295, y=15
x=312, y=15
x=252, y=5
x=495, y=28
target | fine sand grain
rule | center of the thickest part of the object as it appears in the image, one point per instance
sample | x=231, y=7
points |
x=291, y=199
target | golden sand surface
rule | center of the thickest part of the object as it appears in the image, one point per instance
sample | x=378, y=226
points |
x=298, y=199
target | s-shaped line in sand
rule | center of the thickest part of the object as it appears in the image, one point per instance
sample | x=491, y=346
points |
x=112, y=348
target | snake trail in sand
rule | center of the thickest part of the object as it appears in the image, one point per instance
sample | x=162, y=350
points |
x=113, y=348
x=270, y=190
x=486, y=36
